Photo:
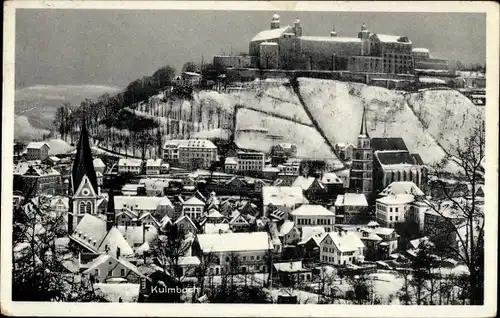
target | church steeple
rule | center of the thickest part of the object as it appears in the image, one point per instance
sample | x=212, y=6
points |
x=361, y=171
x=110, y=212
x=363, y=131
x=83, y=164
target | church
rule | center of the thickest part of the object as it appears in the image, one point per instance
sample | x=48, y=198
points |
x=377, y=162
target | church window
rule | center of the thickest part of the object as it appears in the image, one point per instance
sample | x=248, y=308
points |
x=88, y=207
x=81, y=208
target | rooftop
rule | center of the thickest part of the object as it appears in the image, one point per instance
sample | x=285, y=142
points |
x=312, y=210
x=345, y=241
x=234, y=242
x=390, y=158
x=270, y=34
x=397, y=199
x=402, y=187
x=37, y=145
x=381, y=144
x=283, y=195
x=129, y=162
x=331, y=39
x=351, y=199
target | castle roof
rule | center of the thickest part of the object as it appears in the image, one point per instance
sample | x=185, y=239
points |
x=393, y=38
x=391, y=158
x=271, y=34
x=330, y=39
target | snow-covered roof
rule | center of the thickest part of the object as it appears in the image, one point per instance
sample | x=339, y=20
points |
x=386, y=231
x=129, y=162
x=189, y=261
x=234, y=242
x=420, y=50
x=191, y=74
x=230, y=161
x=270, y=34
x=153, y=163
x=288, y=196
x=416, y=242
x=213, y=213
x=103, y=258
x=98, y=163
x=198, y=143
x=175, y=142
x=397, y=199
x=331, y=39
x=193, y=201
x=141, y=202
x=392, y=38
x=303, y=182
x=214, y=228
x=402, y=187
x=431, y=80
x=37, y=145
x=345, y=241
x=331, y=178
x=290, y=267
x=312, y=210
x=54, y=159
x=286, y=227
x=138, y=234
x=310, y=231
x=351, y=199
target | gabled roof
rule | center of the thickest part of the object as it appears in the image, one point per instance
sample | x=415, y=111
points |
x=237, y=217
x=114, y=240
x=185, y=218
x=37, y=145
x=283, y=195
x=382, y=144
x=393, y=38
x=135, y=235
x=286, y=227
x=397, y=199
x=271, y=34
x=312, y=210
x=310, y=231
x=90, y=228
x=105, y=258
x=351, y=199
x=290, y=267
x=388, y=158
x=331, y=178
x=234, y=242
x=230, y=161
x=193, y=201
x=345, y=241
x=303, y=182
x=98, y=163
x=129, y=162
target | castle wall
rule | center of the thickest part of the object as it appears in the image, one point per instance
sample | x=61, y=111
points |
x=365, y=64
x=234, y=61
x=269, y=56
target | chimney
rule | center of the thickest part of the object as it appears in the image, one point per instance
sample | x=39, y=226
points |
x=117, y=252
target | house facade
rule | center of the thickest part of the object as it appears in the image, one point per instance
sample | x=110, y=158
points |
x=312, y=215
x=37, y=151
x=132, y=166
x=341, y=248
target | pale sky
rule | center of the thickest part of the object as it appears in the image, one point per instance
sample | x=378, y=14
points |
x=114, y=47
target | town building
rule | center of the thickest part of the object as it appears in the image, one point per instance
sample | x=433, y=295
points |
x=250, y=250
x=186, y=224
x=292, y=273
x=230, y=165
x=289, y=233
x=311, y=186
x=153, y=166
x=37, y=151
x=424, y=61
x=284, y=198
x=341, y=248
x=311, y=215
x=250, y=161
x=131, y=208
x=391, y=209
x=108, y=269
x=239, y=223
x=47, y=179
x=99, y=166
x=193, y=153
x=281, y=152
x=130, y=165
x=193, y=208
x=351, y=208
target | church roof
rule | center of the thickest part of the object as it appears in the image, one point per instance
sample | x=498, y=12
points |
x=83, y=163
x=382, y=144
x=270, y=34
x=395, y=158
x=418, y=159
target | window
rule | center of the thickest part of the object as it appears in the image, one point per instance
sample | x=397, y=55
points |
x=258, y=257
x=122, y=272
x=390, y=209
x=390, y=218
x=81, y=207
x=244, y=258
x=96, y=272
x=88, y=207
x=396, y=218
x=252, y=257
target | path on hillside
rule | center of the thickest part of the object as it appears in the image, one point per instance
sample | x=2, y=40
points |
x=295, y=85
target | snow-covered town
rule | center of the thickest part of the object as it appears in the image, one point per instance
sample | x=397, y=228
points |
x=241, y=181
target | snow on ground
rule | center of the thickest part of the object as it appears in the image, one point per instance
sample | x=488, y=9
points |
x=213, y=133
x=23, y=129
x=303, y=297
x=128, y=292
x=309, y=142
x=338, y=108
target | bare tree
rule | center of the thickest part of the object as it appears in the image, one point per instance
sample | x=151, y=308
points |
x=469, y=157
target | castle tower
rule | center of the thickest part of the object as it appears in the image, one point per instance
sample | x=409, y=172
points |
x=83, y=184
x=110, y=211
x=275, y=22
x=364, y=35
x=297, y=28
x=362, y=161
x=333, y=33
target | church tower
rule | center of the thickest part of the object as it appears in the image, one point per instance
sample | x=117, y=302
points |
x=83, y=185
x=275, y=22
x=362, y=161
x=110, y=212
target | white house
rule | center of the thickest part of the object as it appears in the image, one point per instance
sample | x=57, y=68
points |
x=289, y=233
x=392, y=209
x=37, y=150
x=250, y=249
x=230, y=165
x=341, y=248
x=193, y=208
x=99, y=165
x=129, y=165
x=309, y=214
x=153, y=166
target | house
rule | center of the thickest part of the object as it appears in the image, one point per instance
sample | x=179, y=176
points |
x=308, y=214
x=153, y=166
x=132, y=166
x=59, y=204
x=135, y=206
x=108, y=268
x=47, y=179
x=270, y=173
x=230, y=165
x=190, y=78
x=193, y=153
x=94, y=236
x=250, y=250
x=389, y=238
x=193, y=208
x=289, y=233
x=239, y=223
x=333, y=183
x=131, y=189
x=186, y=224
x=441, y=225
x=37, y=151
x=284, y=198
x=250, y=161
x=136, y=236
x=402, y=187
x=392, y=209
x=154, y=187
x=164, y=168
x=281, y=152
x=292, y=273
x=214, y=216
x=353, y=206
x=341, y=248
x=99, y=165
x=311, y=186
x=52, y=161
x=344, y=151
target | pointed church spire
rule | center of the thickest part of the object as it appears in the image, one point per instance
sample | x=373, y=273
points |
x=83, y=164
x=363, y=131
